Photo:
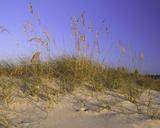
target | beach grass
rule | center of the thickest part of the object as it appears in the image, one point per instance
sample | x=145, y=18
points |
x=83, y=68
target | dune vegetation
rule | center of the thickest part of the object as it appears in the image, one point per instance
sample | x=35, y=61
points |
x=83, y=68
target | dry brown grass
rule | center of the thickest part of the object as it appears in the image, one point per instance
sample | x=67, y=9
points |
x=83, y=68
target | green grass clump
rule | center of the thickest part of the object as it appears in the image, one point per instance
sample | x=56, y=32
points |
x=8, y=89
x=76, y=71
x=72, y=72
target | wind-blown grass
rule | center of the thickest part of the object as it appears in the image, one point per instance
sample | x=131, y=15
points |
x=83, y=68
x=75, y=72
x=69, y=73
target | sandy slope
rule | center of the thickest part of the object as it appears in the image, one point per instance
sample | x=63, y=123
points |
x=121, y=115
x=82, y=109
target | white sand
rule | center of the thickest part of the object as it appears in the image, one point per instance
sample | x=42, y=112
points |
x=103, y=110
x=121, y=115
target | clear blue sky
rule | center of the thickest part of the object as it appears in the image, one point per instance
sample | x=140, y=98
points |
x=135, y=22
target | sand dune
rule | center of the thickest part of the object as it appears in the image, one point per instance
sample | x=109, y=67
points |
x=81, y=109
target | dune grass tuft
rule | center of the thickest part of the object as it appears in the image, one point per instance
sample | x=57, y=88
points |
x=83, y=68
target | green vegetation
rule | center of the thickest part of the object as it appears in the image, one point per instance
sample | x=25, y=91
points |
x=70, y=73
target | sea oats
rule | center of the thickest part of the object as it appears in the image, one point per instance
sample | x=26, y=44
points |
x=141, y=56
x=83, y=19
x=47, y=35
x=121, y=47
x=35, y=58
x=30, y=8
x=37, y=40
x=82, y=37
x=38, y=18
x=49, y=39
x=28, y=27
x=90, y=27
x=97, y=45
x=123, y=50
x=3, y=29
x=25, y=28
x=103, y=25
x=107, y=32
x=97, y=35
x=74, y=26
